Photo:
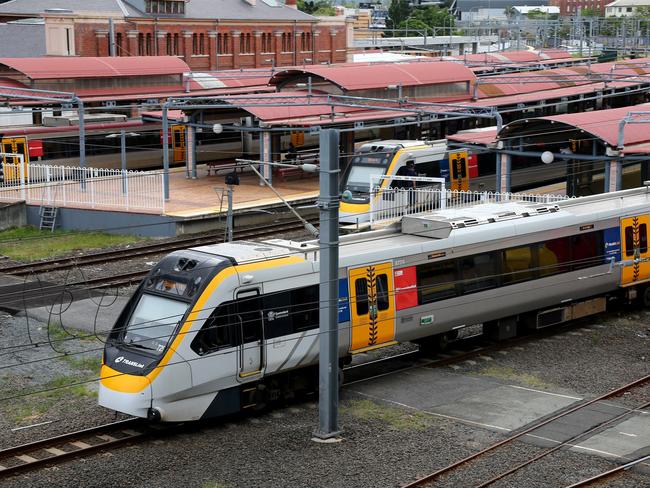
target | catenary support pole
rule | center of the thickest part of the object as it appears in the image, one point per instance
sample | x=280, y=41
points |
x=82, y=141
x=165, y=141
x=328, y=365
x=123, y=158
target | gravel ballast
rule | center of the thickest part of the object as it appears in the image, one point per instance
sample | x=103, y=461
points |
x=383, y=445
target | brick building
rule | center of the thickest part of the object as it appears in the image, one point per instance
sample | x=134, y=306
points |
x=207, y=34
x=569, y=8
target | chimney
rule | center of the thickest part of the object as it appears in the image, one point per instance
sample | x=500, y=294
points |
x=291, y=3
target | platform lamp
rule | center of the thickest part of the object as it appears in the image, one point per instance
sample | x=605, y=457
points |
x=272, y=61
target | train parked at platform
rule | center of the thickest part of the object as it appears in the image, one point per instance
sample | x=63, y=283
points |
x=220, y=329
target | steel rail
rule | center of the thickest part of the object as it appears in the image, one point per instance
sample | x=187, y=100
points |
x=611, y=472
x=562, y=444
x=70, y=445
x=144, y=250
x=453, y=466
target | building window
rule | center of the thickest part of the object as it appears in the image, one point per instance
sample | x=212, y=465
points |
x=141, y=49
x=149, y=45
x=176, y=44
x=164, y=7
x=242, y=43
x=201, y=43
x=169, y=45
x=119, y=44
x=266, y=43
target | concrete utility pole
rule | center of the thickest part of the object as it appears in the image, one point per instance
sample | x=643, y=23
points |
x=328, y=363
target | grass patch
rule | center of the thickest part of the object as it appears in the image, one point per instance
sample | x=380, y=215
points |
x=32, y=407
x=86, y=363
x=213, y=484
x=396, y=418
x=29, y=243
x=509, y=374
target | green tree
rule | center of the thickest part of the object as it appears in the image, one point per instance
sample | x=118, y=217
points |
x=317, y=7
x=398, y=12
x=589, y=12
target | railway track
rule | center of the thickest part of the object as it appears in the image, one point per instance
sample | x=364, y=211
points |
x=35, y=455
x=147, y=249
x=45, y=452
x=610, y=473
x=464, y=463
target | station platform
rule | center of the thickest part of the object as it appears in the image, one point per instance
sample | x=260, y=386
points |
x=198, y=197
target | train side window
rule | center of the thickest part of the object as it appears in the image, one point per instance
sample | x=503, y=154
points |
x=361, y=295
x=218, y=331
x=519, y=264
x=305, y=310
x=383, y=302
x=587, y=250
x=436, y=281
x=249, y=309
x=555, y=256
x=479, y=272
x=277, y=314
x=643, y=238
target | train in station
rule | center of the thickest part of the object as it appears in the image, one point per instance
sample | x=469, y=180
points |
x=226, y=328
x=461, y=169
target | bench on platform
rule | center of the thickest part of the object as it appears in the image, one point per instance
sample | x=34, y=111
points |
x=286, y=172
x=216, y=166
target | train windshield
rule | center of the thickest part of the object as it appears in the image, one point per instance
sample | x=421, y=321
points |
x=363, y=167
x=153, y=322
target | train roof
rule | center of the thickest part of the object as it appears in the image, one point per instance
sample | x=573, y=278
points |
x=392, y=144
x=490, y=225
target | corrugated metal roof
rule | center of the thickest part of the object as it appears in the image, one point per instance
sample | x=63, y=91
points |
x=73, y=67
x=602, y=124
x=367, y=76
x=482, y=136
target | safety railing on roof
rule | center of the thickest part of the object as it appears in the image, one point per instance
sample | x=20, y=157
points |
x=70, y=186
x=391, y=204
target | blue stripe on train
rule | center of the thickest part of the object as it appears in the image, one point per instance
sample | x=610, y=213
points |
x=344, y=304
x=613, y=243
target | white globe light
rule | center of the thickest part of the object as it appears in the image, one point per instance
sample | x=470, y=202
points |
x=547, y=157
x=217, y=128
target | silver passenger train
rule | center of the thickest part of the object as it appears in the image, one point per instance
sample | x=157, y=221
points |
x=223, y=328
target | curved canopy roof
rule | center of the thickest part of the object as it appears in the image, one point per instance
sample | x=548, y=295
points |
x=368, y=76
x=602, y=124
x=78, y=67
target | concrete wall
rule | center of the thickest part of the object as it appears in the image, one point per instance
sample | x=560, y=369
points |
x=111, y=222
x=13, y=215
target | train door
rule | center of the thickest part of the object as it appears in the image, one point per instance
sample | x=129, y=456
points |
x=372, y=307
x=459, y=170
x=251, y=332
x=178, y=143
x=634, y=231
x=16, y=145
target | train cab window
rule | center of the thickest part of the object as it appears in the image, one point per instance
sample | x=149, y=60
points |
x=249, y=312
x=518, y=264
x=361, y=295
x=218, y=331
x=436, y=281
x=629, y=240
x=478, y=272
x=383, y=302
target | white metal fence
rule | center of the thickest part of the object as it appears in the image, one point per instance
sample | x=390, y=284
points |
x=69, y=186
x=393, y=203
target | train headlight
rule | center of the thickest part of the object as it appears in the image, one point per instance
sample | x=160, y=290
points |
x=346, y=196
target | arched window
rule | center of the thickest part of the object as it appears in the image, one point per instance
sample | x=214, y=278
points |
x=176, y=48
x=169, y=44
x=201, y=43
x=242, y=43
x=226, y=44
x=141, y=50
